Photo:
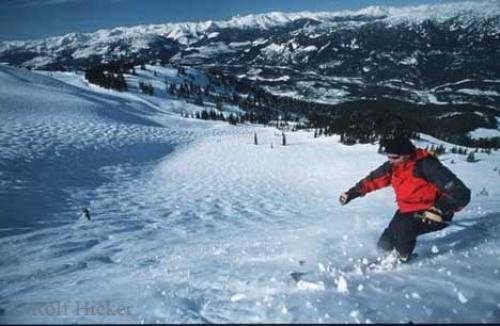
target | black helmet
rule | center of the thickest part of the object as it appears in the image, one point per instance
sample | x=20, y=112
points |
x=398, y=145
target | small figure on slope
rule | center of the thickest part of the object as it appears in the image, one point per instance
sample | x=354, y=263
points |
x=85, y=214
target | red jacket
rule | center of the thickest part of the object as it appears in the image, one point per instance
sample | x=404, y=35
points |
x=419, y=183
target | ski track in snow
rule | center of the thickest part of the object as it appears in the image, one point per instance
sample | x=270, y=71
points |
x=191, y=222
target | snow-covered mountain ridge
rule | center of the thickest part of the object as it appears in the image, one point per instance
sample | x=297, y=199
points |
x=408, y=53
x=175, y=31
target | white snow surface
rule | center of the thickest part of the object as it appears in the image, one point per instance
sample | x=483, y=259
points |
x=193, y=223
x=484, y=133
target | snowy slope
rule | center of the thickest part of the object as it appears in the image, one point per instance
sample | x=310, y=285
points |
x=191, y=222
x=484, y=133
x=68, y=130
x=156, y=76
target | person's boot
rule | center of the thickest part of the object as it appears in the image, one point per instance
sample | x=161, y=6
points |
x=394, y=258
x=390, y=260
x=404, y=258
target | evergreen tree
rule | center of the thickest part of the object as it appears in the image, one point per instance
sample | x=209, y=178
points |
x=212, y=115
x=199, y=101
x=204, y=115
x=171, y=89
x=181, y=71
x=471, y=158
x=146, y=88
x=232, y=119
x=219, y=104
x=100, y=75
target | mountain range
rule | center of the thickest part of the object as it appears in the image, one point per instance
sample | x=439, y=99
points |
x=439, y=54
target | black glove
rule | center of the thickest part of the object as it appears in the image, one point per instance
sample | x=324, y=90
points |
x=346, y=197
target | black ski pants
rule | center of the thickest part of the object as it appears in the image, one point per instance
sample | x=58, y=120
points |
x=403, y=230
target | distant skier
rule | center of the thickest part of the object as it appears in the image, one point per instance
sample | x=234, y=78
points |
x=85, y=214
x=423, y=187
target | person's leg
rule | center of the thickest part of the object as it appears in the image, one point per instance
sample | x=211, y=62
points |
x=386, y=240
x=404, y=233
x=406, y=229
x=422, y=227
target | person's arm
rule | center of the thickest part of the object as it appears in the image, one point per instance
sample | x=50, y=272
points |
x=454, y=194
x=378, y=178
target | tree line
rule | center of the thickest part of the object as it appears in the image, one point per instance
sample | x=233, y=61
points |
x=361, y=121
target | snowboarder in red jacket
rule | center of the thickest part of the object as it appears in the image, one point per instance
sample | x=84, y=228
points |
x=423, y=187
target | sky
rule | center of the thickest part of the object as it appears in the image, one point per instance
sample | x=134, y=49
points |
x=33, y=19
